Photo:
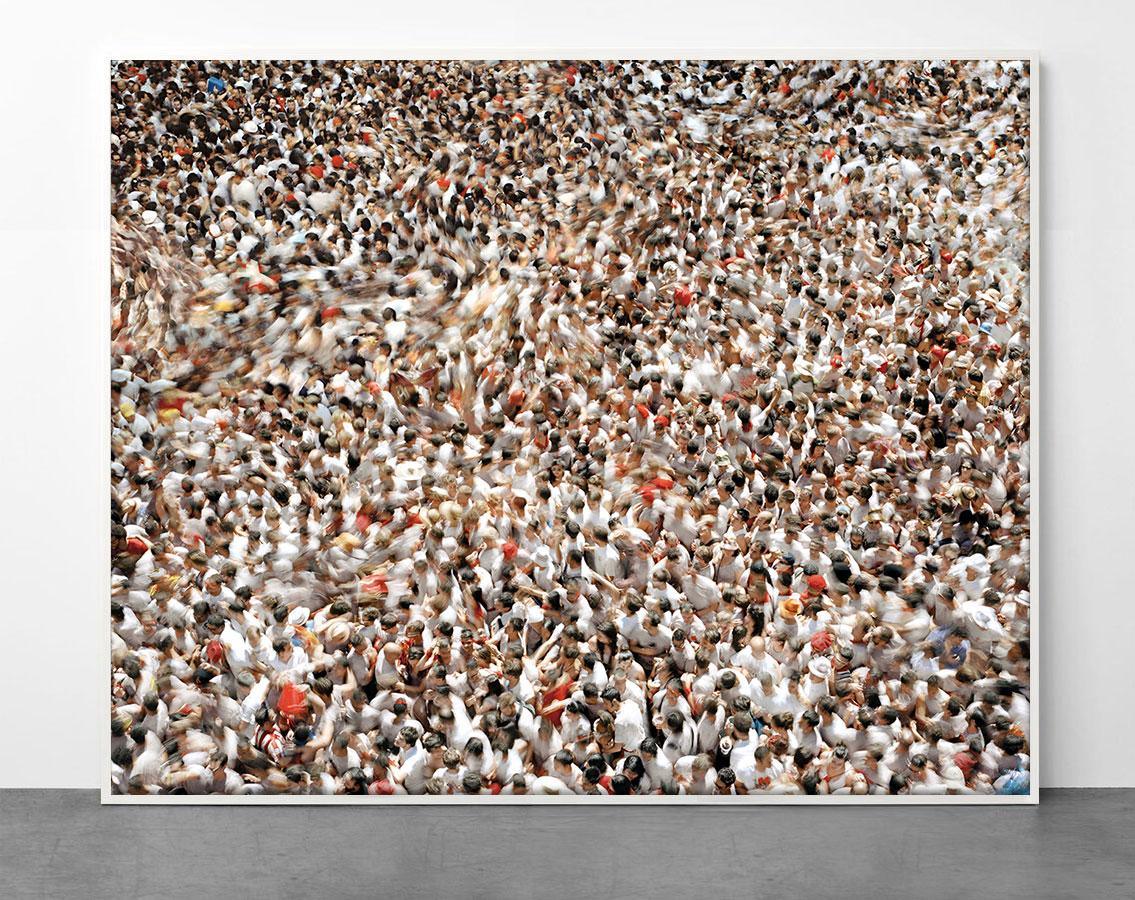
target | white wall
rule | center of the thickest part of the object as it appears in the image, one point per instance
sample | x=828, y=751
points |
x=53, y=332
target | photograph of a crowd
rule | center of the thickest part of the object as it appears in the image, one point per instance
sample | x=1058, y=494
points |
x=572, y=427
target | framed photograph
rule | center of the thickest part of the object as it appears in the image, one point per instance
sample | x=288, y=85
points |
x=631, y=430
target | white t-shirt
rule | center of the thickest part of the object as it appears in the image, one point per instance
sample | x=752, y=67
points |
x=630, y=729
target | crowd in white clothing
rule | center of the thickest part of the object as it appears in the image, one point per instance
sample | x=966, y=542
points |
x=583, y=427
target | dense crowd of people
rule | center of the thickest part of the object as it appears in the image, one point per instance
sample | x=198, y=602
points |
x=589, y=427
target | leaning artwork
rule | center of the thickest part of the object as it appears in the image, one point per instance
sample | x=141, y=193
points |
x=589, y=429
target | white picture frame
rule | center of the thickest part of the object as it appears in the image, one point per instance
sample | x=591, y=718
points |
x=108, y=797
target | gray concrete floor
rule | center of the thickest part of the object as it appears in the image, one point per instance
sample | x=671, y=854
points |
x=1077, y=844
